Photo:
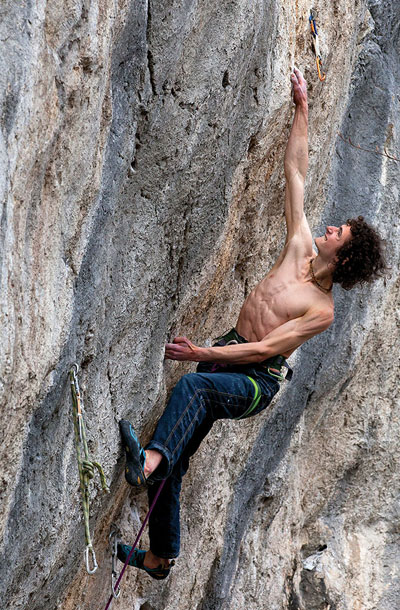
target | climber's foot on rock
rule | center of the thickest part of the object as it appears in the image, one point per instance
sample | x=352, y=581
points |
x=156, y=567
x=135, y=455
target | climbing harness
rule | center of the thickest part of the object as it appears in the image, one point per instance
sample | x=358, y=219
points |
x=314, y=33
x=115, y=587
x=86, y=466
x=113, y=538
x=273, y=366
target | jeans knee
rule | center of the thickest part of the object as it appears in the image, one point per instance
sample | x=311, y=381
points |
x=188, y=381
x=190, y=387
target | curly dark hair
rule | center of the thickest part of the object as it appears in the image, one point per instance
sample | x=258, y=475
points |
x=360, y=260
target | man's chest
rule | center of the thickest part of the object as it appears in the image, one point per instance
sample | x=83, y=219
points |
x=286, y=297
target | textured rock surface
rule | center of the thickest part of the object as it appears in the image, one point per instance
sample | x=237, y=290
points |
x=142, y=183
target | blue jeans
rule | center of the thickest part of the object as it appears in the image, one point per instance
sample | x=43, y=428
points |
x=197, y=401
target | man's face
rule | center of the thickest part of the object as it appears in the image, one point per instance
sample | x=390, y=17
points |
x=332, y=241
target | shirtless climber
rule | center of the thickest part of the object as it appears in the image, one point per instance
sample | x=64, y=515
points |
x=238, y=376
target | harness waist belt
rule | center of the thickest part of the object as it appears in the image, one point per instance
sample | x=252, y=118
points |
x=272, y=365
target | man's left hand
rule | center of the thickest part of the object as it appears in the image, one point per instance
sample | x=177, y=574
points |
x=299, y=88
x=182, y=349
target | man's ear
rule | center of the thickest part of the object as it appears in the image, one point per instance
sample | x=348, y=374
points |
x=335, y=261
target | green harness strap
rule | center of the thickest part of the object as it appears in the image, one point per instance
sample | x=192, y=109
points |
x=255, y=401
x=277, y=375
x=86, y=466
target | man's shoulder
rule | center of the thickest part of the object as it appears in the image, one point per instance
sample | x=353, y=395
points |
x=300, y=246
x=322, y=314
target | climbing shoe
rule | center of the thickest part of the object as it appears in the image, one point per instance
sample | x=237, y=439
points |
x=135, y=455
x=137, y=559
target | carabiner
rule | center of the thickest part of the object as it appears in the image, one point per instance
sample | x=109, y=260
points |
x=113, y=538
x=314, y=33
x=79, y=401
x=321, y=75
x=274, y=373
x=90, y=549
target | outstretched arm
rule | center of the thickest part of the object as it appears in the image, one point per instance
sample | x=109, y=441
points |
x=296, y=162
x=283, y=339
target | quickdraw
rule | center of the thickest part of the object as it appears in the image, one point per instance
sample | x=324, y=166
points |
x=86, y=466
x=314, y=33
x=115, y=584
x=113, y=538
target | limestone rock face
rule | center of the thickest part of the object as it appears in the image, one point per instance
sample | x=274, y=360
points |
x=142, y=194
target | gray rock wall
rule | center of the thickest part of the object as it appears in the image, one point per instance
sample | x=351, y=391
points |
x=142, y=194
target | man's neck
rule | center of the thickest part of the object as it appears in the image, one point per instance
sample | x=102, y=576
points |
x=321, y=274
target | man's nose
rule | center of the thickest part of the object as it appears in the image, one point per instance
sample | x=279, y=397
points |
x=330, y=229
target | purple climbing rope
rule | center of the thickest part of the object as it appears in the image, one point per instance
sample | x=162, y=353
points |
x=138, y=537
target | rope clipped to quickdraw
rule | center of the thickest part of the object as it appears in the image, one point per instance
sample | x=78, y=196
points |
x=115, y=590
x=314, y=33
x=86, y=466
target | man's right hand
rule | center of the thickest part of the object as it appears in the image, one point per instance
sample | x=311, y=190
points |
x=299, y=88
